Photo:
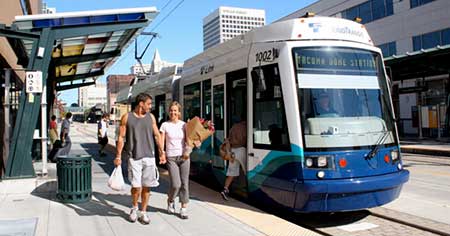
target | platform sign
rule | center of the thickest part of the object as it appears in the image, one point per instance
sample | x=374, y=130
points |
x=33, y=81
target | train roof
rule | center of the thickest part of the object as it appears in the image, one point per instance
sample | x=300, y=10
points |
x=311, y=28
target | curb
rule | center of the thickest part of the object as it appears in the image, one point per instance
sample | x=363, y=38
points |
x=425, y=151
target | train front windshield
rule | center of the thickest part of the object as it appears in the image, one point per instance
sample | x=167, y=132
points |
x=343, y=98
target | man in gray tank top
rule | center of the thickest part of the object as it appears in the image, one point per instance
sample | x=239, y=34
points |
x=139, y=128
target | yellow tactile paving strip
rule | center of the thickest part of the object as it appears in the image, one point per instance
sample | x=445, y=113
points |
x=265, y=223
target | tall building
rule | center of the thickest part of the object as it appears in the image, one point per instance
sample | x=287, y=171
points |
x=228, y=22
x=414, y=36
x=90, y=96
x=114, y=83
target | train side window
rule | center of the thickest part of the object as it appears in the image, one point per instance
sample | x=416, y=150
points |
x=270, y=129
x=218, y=116
x=191, y=101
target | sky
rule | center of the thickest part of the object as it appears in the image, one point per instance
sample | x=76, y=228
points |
x=181, y=35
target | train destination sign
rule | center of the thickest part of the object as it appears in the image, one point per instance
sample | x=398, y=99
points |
x=335, y=61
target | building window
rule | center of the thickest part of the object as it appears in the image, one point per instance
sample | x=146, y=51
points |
x=432, y=39
x=416, y=3
x=370, y=10
x=388, y=49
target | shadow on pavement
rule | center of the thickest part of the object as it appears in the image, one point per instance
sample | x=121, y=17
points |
x=100, y=205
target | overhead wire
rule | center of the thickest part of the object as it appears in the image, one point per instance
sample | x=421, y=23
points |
x=165, y=17
x=168, y=2
x=156, y=26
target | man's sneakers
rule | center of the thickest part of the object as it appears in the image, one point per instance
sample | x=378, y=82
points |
x=171, y=207
x=183, y=213
x=225, y=194
x=133, y=214
x=144, y=218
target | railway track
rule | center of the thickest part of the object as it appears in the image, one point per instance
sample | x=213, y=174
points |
x=378, y=221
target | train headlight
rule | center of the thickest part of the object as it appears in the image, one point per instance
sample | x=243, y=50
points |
x=394, y=155
x=319, y=161
x=309, y=162
x=322, y=161
x=320, y=174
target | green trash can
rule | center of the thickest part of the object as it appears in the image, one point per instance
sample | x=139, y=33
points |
x=74, y=178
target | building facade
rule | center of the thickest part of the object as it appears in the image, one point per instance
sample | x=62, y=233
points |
x=153, y=68
x=114, y=83
x=8, y=60
x=138, y=69
x=402, y=29
x=90, y=96
x=226, y=23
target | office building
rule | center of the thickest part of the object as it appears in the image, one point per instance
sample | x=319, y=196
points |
x=226, y=23
x=90, y=96
x=114, y=83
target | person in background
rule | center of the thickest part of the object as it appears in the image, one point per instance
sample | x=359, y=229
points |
x=102, y=133
x=238, y=142
x=64, y=135
x=53, y=131
x=173, y=136
x=324, y=108
x=139, y=129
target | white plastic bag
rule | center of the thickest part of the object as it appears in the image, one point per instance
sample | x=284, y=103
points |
x=115, y=181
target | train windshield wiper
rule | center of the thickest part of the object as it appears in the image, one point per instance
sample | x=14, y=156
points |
x=377, y=146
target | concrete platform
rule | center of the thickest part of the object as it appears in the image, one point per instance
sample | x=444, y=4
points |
x=107, y=212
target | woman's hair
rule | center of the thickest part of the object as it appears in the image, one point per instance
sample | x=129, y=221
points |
x=53, y=117
x=105, y=115
x=177, y=104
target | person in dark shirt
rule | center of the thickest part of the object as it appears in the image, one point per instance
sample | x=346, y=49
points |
x=323, y=107
x=238, y=141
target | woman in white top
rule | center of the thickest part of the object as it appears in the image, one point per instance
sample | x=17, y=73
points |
x=173, y=135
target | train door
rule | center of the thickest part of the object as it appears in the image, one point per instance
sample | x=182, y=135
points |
x=269, y=142
x=206, y=148
x=236, y=105
x=219, y=124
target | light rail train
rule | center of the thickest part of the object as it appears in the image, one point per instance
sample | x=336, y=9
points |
x=321, y=128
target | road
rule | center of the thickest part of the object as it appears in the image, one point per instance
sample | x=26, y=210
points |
x=427, y=194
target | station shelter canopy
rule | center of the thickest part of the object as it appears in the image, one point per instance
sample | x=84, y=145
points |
x=71, y=50
x=85, y=54
x=419, y=64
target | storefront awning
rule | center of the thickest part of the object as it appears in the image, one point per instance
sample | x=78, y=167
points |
x=423, y=63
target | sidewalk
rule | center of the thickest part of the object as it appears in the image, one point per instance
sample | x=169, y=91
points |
x=33, y=201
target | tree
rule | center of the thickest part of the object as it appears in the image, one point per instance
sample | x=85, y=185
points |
x=74, y=105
